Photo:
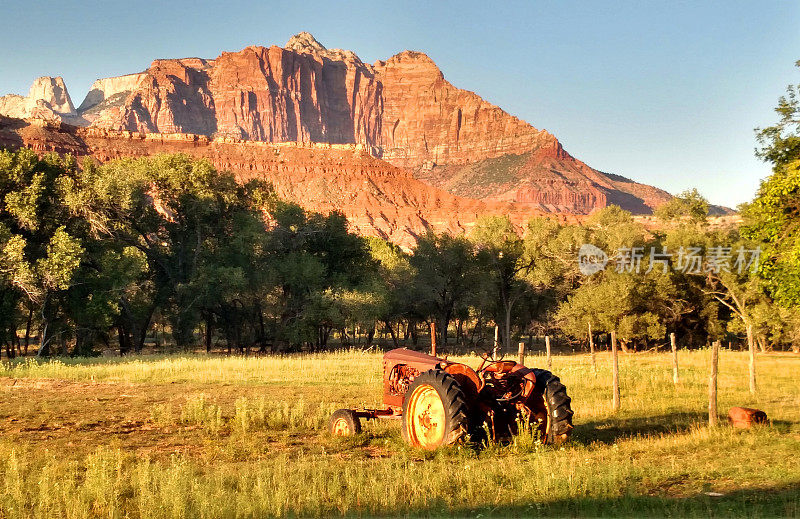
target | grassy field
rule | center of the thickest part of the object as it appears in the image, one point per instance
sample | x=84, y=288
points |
x=199, y=436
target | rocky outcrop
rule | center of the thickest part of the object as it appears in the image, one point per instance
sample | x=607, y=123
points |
x=47, y=99
x=402, y=109
x=14, y=105
x=426, y=120
x=377, y=198
x=106, y=96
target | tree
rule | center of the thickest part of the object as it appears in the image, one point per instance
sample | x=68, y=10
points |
x=618, y=302
x=448, y=274
x=689, y=204
x=623, y=297
x=772, y=221
x=780, y=143
x=314, y=261
x=502, y=252
x=41, y=252
x=185, y=221
x=392, y=284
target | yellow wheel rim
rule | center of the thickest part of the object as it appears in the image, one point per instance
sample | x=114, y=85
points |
x=426, y=418
x=341, y=428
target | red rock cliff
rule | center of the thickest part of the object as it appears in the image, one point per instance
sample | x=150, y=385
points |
x=401, y=110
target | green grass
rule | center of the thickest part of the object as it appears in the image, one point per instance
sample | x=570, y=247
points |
x=198, y=436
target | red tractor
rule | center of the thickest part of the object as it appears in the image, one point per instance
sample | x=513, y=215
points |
x=443, y=402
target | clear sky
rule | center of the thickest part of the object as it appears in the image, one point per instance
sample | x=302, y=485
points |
x=666, y=93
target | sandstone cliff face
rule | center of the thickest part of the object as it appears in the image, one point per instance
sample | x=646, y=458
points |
x=106, y=96
x=47, y=99
x=303, y=94
x=426, y=120
x=401, y=110
x=377, y=198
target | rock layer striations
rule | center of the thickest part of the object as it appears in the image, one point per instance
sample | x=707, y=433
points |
x=401, y=110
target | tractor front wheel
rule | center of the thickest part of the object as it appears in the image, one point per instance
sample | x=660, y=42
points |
x=344, y=422
x=434, y=411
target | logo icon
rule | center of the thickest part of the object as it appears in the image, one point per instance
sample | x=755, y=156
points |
x=591, y=259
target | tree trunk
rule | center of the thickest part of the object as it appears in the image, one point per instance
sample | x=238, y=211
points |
x=28, y=330
x=445, y=321
x=124, y=341
x=433, y=338
x=762, y=343
x=507, y=331
x=391, y=332
x=591, y=348
x=44, y=337
x=209, y=332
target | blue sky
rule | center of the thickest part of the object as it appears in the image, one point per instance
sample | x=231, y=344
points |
x=666, y=93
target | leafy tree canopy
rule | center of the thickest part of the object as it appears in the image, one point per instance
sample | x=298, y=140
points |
x=689, y=204
x=780, y=143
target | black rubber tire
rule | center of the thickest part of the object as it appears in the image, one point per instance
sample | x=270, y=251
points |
x=455, y=406
x=349, y=416
x=559, y=426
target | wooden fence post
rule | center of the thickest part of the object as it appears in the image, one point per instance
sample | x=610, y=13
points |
x=712, y=386
x=591, y=347
x=615, y=370
x=752, y=346
x=433, y=338
x=674, y=358
x=496, y=342
x=547, y=346
x=522, y=353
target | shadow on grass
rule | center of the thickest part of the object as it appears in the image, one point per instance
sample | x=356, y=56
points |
x=776, y=501
x=613, y=429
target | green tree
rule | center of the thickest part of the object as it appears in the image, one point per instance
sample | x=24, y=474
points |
x=772, y=221
x=502, y=252
x=780, y=143
x=185, y=221
x=448, y=275
x=315, y=260
x=392, y=284
x=41, y=251
x=689, y=204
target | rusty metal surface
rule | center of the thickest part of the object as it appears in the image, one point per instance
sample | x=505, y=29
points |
x=502, y=394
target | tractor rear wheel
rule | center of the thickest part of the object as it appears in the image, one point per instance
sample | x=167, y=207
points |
x=434, y=411
x=557, y=402
x=344, y=422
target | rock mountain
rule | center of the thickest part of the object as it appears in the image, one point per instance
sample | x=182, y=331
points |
x=401, y=110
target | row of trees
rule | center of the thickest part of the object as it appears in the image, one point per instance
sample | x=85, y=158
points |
x=133, y=245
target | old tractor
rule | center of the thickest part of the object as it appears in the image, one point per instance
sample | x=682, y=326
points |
x=443, y=402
